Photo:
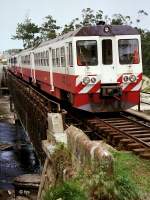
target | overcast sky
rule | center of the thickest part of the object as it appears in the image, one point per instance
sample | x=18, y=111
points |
x=14, y=11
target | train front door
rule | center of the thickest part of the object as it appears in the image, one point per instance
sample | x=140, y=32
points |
x=108, y=65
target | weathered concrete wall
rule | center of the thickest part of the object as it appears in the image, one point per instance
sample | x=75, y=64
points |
x=81, y=152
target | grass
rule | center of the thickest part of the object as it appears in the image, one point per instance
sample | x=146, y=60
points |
x=67, y=191
x=138, y=170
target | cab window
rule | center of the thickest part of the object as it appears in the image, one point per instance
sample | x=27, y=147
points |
x=87, y=53
x=128, y=51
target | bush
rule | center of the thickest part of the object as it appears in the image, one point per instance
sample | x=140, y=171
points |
x=67, y=191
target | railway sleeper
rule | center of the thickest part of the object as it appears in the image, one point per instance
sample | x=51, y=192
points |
x=139, y=150
x=142, y=135
x=145, y=139
x=121, y=123
x=133, y=145
x=100, y=126
x=139, y=131
x=109, y=135
x=103, y=129
x=116, y=139
x=126, y=140
x=93, y=121
x=118, y=136
x=145, y=155
x=132, y=128
x=126, y=125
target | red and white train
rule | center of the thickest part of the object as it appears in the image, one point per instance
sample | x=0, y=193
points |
x=96, y=68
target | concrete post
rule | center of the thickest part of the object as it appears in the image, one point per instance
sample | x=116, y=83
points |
x=55, y=132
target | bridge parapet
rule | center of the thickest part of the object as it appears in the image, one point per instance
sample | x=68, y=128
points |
x=68, y=152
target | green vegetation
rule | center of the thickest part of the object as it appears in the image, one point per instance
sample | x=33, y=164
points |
x=128, y=164
x=67, y=191
x=118, y=186
x=146, y=68
x=130, y=180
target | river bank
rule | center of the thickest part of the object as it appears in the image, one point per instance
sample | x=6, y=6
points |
x=17, y=156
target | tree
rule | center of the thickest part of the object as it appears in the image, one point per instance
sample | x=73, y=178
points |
x=98, y=16
x=71, y=26
x=49, y=28
x=119, y=19
x=27, y=32
x=88, y=18
x=141, y=13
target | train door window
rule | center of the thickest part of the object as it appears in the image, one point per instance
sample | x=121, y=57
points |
x=107, y=55
x=35, y=61
x=26, y=58
x=128, y=51
x=87, y=53
x=63, y=60
x=41, y=58
x=53, y=57
x=15, y=60
x=41, y=62
x=29, y=59
x=70, y=55
x=47, y=58
x=38, y=59
x=57, y=57
x=44, y=58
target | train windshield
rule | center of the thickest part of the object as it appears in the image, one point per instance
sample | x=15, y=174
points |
x=128, y=51
x=87, y=53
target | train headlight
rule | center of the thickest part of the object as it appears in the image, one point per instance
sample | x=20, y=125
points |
x=93, y=80
x=132, y=78
x=126, y=78
x=86, y=80
x=106, y=29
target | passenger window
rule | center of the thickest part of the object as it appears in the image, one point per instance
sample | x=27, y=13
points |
x=107, y=52
x=53, y=58
x=57, y=58
x=47, y=57
x=70, y=56
x=63, y=61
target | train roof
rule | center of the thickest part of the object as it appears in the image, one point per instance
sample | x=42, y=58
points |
x=100, y=30
x=107, y=30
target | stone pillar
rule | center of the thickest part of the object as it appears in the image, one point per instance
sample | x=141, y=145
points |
x=55, y=134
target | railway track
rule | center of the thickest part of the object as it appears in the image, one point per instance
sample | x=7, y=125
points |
x=119, y=130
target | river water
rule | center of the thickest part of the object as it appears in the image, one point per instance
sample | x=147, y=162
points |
x=18, y=159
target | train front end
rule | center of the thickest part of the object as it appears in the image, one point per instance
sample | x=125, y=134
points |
x=108, y=68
